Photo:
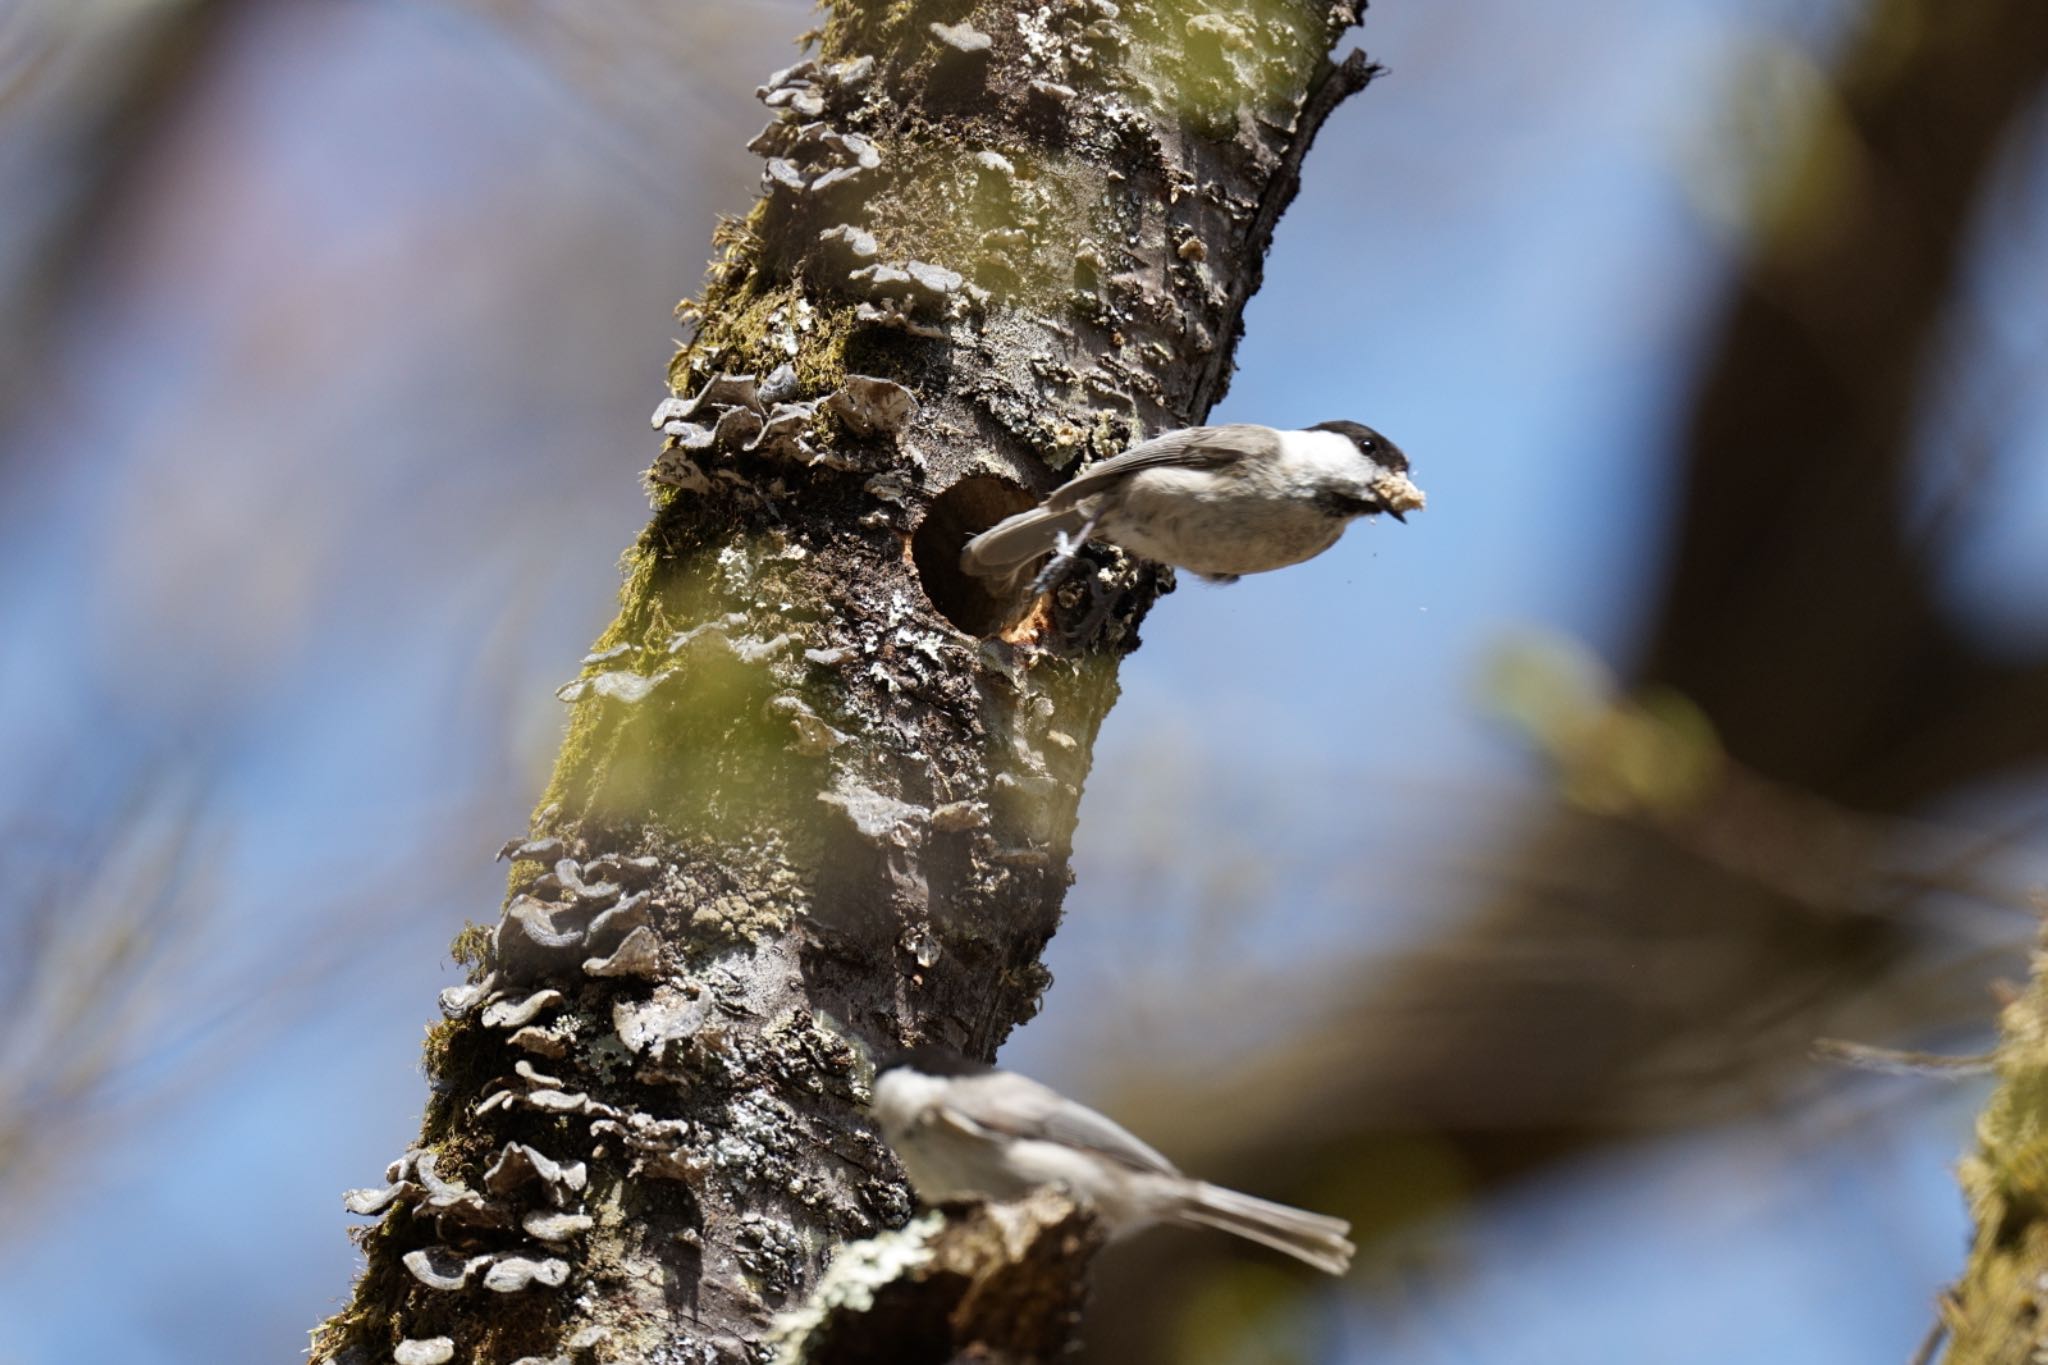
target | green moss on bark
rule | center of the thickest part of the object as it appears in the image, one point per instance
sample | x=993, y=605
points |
x=1997, y=1314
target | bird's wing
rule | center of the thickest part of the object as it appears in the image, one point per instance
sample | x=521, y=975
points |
x=1188, y=448
x=1008, y=1105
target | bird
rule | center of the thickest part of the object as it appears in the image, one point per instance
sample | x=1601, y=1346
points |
x=1220, y=502
x=965, y=1131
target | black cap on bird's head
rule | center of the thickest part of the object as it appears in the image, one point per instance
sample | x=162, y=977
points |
x=1370, y=443
x=931, y=1059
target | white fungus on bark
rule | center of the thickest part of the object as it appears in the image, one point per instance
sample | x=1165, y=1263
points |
x=549, y=1226
x=634, y=912
x=868, y=405
x=883, y=819
x=520, y=1164
x=963, y=38
x=511, y=1274
x=509, y=1014
x=639, y=955
x=442, y=1268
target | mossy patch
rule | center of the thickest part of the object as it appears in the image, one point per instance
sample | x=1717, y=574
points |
x=471, y=948
x=1017, y=221
x=2006, y=1183
x=762, y=325
x=889, y=31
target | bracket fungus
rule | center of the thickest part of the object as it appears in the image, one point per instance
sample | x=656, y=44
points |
x=639, y=955
x=547, y=1100
x=510, y=1274
x=509, y=1014
x=545, y=1226
x=443, y=1269
x=806, y=155
x=731, y=416
x=547, y=1042
x=809, y=87
x=458, y=1001
x=619, y=685
x=917, y=286
x=628, y=915
x=519, y=1165
x=955, y=816
x=856, y=242
x=453, y=1201
x=963, y=38
x=868, y=405
x=550, y=849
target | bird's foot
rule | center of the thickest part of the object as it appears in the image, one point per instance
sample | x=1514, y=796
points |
x=1065, y=548
x=1050, y=574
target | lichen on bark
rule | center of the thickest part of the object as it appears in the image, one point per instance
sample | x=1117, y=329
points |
x=1997, y=1313
x=818, y=789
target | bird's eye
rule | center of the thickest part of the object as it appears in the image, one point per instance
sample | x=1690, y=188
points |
x=1368, y=444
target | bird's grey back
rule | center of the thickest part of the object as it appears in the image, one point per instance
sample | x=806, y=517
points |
x=1187, y=448
x=1013, y=1105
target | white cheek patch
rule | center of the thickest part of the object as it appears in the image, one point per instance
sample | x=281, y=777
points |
x=1318, y=456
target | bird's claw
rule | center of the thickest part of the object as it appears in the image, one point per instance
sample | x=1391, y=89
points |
x=1065, y=547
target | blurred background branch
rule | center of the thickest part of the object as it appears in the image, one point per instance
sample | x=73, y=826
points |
x=1747, y=883
x=90, y=939
x=86, y=89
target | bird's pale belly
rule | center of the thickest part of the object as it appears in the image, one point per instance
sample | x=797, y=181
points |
x=944, y=1164
x=1225, y=539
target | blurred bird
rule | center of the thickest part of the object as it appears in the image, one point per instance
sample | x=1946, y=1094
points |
x=1219, y=502
x=965, y=1131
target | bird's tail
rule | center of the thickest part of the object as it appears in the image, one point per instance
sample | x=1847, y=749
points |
x=1316, y=1238
x=1006, y=547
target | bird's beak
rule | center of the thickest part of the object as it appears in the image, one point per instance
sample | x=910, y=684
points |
x=1398, y=497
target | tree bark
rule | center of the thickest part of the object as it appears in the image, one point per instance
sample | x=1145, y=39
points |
x=818, y=789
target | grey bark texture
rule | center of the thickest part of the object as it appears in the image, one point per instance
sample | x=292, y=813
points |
x=818, y=789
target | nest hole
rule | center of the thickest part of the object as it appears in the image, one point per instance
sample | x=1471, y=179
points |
x=963, y=511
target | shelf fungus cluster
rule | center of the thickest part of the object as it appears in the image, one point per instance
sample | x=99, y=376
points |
x=524, y=1195
x=912, y=296
x=506, y=1233
x=737, y=414
x=574, y=918
x=513, y=1226
x=806, y=155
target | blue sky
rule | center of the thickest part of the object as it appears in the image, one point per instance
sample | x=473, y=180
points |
x=315, y=500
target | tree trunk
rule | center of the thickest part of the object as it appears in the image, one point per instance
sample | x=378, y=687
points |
x=818, y=789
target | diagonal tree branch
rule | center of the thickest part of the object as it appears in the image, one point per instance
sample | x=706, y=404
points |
x=818, y=788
